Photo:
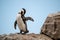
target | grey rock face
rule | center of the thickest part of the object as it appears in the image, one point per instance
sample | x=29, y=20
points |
x=51, y=26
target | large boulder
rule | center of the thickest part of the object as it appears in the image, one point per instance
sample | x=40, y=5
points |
x=51, y=26
x=24, y=37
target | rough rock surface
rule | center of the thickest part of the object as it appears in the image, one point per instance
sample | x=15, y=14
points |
x=24, y=37
x=51, y=26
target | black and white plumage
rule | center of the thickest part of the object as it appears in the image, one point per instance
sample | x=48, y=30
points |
x=21, y=21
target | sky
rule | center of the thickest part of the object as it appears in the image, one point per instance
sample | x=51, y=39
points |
x=37, y=9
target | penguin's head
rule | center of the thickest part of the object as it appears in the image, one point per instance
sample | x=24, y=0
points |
x=23, y=11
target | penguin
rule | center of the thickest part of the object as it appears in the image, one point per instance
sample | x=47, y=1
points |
x=21, y=21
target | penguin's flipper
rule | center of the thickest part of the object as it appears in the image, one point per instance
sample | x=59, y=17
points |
x=29, y=18
x=15, y=23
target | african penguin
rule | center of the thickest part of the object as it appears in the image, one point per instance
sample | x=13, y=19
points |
x=21, y=21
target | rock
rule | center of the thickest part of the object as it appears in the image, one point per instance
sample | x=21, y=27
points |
x=25, y=37
x=51, y=26
x=2, y=36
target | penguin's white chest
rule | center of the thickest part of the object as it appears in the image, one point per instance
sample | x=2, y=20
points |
x=20, y=23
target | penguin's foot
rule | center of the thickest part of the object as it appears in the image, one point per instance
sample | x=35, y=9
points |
x=26, y=32
x=21, y=33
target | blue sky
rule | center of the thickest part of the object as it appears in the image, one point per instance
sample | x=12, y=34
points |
x=37, y=9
